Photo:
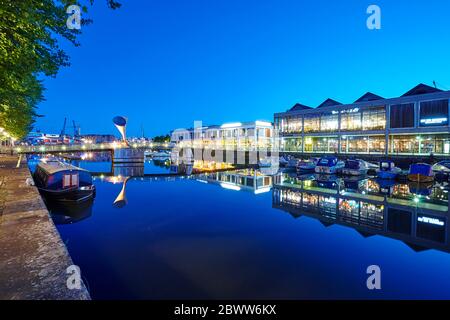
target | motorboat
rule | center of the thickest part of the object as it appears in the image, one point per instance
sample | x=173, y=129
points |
x=421, y=172
x=388, y=170
x=292, y=163
x=306, y=166
x=265, y=163
x=442, y=169
x=355, y=167
x=283, y=161
x=329, y=165
x=60, y=181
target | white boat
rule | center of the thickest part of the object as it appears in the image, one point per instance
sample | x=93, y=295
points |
x=442, y=169
x=388, y=170
x=307, y=166
x=329, y=165
x=355, y=167
x=283, y=161
x=265, y=163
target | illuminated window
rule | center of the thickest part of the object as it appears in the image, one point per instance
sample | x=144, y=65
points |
x=374, y=119
x=351, y=120
x=312, y=123
x=329, y=122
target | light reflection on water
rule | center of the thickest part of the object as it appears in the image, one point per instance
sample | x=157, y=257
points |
x=225, y=235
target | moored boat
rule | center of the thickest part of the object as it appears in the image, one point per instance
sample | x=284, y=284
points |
x=292, y=163
x=59, y=181
x=329, y=165
x=355, y=168
x=307, y=166
x=283, y=161
x=388, y=170
x=421, y=172
x=442, y=169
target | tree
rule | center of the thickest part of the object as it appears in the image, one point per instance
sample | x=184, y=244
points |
x=29, y=49
x=162, y=139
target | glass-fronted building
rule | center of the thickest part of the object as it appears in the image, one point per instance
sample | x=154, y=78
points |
x=237, y=135
x=417, y=123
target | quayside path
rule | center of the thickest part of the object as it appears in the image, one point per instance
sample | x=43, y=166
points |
x=33, y=258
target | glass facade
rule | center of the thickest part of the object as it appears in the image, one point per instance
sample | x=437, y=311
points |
x=420, y=144
x=374, y=119
x=351, y=120
x=363, y=144
x=321, y=144
x=312, y=123
x=292, y=144
x=370, y=129
x=329, y=122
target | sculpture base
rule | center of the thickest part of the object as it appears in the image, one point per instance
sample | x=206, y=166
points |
x=128, y=155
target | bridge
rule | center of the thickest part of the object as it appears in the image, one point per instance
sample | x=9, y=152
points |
x=87, y=147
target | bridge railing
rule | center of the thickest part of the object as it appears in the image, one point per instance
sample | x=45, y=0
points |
x=85, y=147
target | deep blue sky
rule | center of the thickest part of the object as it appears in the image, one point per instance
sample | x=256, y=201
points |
x=165, y=63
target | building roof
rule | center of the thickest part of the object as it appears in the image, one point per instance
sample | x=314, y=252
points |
x=329, y=103
x=54, y=166
x=421, y=89
x=299, y=106
x=369, y=96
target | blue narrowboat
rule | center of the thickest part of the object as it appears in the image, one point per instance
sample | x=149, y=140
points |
x=59, y=181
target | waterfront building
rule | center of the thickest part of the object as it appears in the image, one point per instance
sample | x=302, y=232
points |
x=237, y=135
x=415, y=124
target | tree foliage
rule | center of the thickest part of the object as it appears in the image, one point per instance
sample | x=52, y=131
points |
x=162, y=139
x=30, y=31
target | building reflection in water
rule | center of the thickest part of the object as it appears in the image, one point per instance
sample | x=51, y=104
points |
x=246, y=180
x=414, y=213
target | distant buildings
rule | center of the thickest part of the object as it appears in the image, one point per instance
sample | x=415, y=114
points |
x=246, y=135
x=417, y=123
x=97, y=138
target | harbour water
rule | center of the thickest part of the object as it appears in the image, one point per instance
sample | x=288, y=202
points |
x=256, y=235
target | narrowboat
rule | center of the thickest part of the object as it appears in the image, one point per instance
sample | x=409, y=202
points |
x=59, y=181
x=307, y=166
x=421, y=172
x=388, y=170
x=355, y=168
x=329, y=165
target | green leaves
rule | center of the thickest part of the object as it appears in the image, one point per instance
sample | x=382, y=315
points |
x=29, y=48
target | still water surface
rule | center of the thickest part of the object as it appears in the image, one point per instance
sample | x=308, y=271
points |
x=245, y=235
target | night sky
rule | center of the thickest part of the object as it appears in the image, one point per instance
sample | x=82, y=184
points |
x=165, y=63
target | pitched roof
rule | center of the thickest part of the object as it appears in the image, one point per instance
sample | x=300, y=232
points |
x=328, y=103
x=369, y=96
x=299, y=106
x=421, y=89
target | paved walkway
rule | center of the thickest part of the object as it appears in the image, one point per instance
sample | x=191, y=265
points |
x=33, y=258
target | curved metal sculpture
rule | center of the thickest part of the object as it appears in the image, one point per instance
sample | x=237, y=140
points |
x=121, y=125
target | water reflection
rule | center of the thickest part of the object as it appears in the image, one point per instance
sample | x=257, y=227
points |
x=245, y=180
x=414, y=213
x=121, y=200
x=411, y=212
x=67, y=214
